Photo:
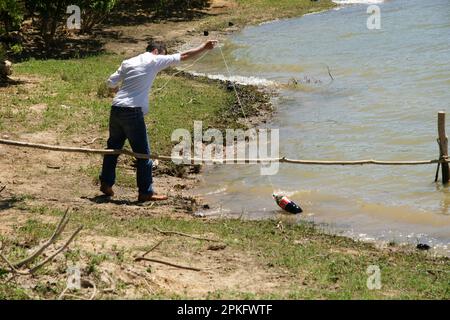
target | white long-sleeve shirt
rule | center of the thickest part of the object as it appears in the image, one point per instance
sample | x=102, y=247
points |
x=136, y=76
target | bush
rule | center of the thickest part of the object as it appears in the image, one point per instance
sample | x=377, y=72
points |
x=16, y=48
x=52, y=14
x=11, y=15
x=94, y=12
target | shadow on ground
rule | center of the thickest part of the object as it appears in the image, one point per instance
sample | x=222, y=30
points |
x=105, y=199
x=9, y=203
x=130, y=13
x=61, y=48
x=10, y=82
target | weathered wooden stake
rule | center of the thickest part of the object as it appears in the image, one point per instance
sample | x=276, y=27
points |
x=443, y=146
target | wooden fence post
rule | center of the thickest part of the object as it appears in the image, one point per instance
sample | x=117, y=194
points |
x=443, y=146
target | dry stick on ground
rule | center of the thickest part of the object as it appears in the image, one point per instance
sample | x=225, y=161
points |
x=149, y=288
x=11, y=266
x=59, y=229
x=144, y=278
x=94, y=288
x=112, y=288
x=167, y=263
x=153, y=248
x=160, y=261
x=40, y=265
x=184, y=235
x=63, y=293
x=2, y=188
x=94, y=292
x=14, y=271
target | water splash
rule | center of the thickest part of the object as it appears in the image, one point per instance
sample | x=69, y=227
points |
x=238, y=79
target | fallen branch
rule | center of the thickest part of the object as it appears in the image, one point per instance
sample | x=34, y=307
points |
x=59, y=229
x=11, y=266
x=167, y=263
x=149, y=288
x=2, y=188
x=40, y=265
x=14, y=267
x=94, y=288
x=153, y=248
x=63, y=293
x=184, y=235
x=94, y=293
x=112, y=288
x=144, y=278
x=196, y=161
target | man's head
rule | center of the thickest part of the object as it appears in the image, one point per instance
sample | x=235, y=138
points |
x=157, y=47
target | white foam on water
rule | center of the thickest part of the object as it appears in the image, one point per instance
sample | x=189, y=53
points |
x=269, y=22
x=220, y=190
x=358, y=1
x=238, y=79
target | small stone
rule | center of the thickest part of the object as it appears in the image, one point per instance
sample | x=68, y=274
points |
x=423, y=246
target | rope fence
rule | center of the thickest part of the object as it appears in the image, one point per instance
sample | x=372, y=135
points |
x=218, y=161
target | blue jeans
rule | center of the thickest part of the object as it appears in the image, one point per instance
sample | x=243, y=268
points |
x=128, y=123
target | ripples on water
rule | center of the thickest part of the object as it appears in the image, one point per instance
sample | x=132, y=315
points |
x=389, y=85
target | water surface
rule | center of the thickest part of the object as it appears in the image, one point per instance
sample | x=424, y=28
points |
x=388, y=86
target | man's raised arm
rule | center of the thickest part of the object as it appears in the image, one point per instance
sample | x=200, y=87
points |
x=208, y=45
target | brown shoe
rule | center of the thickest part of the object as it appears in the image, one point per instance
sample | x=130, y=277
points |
x=151, y=197
x=106, y=189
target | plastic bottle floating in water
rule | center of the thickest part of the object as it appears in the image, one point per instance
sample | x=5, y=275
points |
x=286, y=204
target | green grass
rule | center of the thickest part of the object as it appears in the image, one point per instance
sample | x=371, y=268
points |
x=257, y=11
x=284, y=7
x=319, y=265
x=10, y=291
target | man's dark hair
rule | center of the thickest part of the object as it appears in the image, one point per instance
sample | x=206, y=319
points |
x=161, y=46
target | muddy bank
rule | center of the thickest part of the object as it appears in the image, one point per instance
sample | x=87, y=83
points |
x=256, y=109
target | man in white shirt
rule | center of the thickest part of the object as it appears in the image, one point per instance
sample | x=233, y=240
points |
x=132, y=83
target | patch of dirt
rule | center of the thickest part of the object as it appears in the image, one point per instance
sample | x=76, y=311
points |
x=224, y=270
x=39, y=108
x=59, y=180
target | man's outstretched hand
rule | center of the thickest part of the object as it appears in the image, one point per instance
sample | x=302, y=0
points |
x=210, y=44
